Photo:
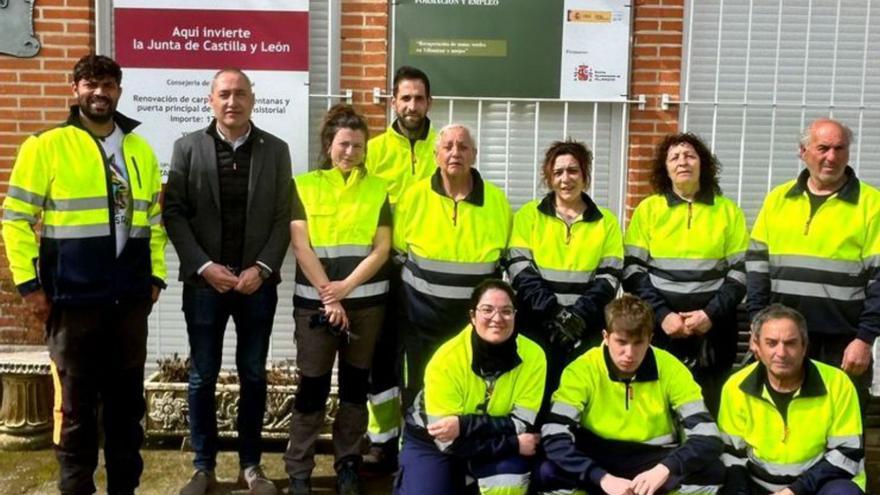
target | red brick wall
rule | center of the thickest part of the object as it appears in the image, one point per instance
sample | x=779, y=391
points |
x=365, y=56
x=656, y=69
x=34, y=94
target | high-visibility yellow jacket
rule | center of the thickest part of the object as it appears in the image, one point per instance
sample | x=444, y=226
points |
x=687, y=256
x=61, y=177
x=342, y=217
x=661, y=406
x=683, y=256
x=819, y=439
x=450, y=246
x=492, y=412
x=826, y=265
x=400, y=161
x=552, y=264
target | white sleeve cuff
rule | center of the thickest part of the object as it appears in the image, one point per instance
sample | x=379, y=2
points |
x=264, y=265
x=203, y=267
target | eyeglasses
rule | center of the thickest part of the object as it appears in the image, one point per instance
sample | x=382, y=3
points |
x=488, y=311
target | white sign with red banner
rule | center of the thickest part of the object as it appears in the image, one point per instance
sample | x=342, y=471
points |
x=170, y=51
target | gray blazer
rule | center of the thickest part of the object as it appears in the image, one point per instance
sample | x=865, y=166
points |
x=192, y=203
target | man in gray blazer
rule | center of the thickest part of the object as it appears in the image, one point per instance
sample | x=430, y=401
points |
x=227, y=212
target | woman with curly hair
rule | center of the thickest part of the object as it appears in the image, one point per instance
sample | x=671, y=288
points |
x=685, y=255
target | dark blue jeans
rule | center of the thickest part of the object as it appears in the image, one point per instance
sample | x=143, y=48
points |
x=207, y=312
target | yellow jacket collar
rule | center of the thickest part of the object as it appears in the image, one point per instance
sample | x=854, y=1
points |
x=849, y=192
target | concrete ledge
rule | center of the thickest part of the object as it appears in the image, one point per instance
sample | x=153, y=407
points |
x=26, y=400
x=167, y=409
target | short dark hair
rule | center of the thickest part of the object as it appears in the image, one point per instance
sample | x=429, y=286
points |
x=340, y=116
x=577, y=149
x=405, y=72
x=486, y=286
x=94, y=67
x=629, y=315
x=777, y=311
x=710, y=167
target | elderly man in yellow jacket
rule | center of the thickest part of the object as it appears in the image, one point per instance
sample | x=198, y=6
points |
x=791, y=425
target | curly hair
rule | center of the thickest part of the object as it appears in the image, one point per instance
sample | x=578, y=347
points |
x=710, y=167
x=340, y=116
x=94, y=67
x=577, y=149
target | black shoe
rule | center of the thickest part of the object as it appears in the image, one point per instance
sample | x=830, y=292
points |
x=381, y=460
x=347, y=480
x=300, y=486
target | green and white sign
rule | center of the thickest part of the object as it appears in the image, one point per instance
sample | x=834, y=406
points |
x=565, y=49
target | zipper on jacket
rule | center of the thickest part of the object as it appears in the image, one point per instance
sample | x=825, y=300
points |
x=628, y=393
x=813, y=213
x=690, y=213
x=784, y=417
x=784, y=422
x=137, y=172
x=568, y=227
x=412, y=155
x=490, y=389
x=454, y=213
x=810, y=217
x=111, y=204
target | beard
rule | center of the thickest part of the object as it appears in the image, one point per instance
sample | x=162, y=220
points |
x=98, y=116
x=409, y=125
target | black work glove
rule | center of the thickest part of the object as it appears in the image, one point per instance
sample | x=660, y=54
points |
x=566, y=329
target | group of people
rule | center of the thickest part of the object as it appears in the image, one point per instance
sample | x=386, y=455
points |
x=551, y=382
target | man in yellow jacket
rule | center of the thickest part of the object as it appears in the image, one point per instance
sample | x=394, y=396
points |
x=94, y=272
x=790, y=425
x=815, y=247
x=628, y=418
x=402, y=155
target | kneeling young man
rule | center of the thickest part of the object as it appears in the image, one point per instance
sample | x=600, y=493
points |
x=791, y=426
x=629, y=418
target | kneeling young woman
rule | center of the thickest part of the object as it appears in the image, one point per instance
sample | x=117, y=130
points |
x=475, y=417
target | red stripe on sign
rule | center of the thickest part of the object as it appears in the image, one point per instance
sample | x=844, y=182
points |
x=212, y=39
